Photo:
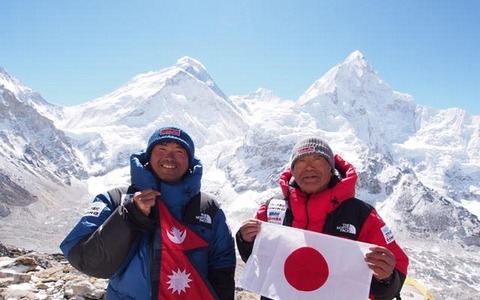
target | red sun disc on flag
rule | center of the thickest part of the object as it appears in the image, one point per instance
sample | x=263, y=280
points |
x=306, y=269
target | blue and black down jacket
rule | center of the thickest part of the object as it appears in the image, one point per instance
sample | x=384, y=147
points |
x=118, y=242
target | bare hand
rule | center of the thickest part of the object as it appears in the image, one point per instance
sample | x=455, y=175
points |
x=145, y=200
x=381, y=261
x=250, y=229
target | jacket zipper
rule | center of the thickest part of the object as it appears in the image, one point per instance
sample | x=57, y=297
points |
x=306, y=211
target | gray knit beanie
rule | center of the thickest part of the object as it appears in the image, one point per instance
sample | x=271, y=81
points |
x=312, y=145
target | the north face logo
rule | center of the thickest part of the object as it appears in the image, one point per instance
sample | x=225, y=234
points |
x=204, y=218
x=347, y=228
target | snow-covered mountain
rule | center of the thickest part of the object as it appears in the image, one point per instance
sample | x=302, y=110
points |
x=419, y=166
x=107, y=129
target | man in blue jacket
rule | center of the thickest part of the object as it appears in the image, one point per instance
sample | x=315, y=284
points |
x=162, y=238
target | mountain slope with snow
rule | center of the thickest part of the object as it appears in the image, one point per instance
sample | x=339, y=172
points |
x=419, y=166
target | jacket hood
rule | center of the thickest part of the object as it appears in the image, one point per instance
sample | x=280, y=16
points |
x=342, y=190
x=175, y=196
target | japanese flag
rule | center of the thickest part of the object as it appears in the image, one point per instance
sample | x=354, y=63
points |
x=290, y=263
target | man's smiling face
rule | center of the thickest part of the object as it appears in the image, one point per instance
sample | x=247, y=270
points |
x=169, y=161
x=312, y=173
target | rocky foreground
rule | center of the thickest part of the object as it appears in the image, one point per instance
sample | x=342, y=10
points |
x=30, y=275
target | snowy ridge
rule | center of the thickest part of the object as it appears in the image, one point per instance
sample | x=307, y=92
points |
x=28, y=96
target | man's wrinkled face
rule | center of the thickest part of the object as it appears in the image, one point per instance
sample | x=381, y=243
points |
x=169, y=161
x=312, y=173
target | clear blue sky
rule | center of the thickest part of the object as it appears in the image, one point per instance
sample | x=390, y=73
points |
x=74, y=51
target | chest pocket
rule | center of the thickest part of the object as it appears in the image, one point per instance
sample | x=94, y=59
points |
x=347, y=220
x=201, y=210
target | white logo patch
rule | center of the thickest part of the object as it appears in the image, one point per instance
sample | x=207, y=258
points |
x=204, y=218
x=347, y=228
x=95, y=209
x=276, y=211
x=387, y=234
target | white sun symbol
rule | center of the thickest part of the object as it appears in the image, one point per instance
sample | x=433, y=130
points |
x=179, y=281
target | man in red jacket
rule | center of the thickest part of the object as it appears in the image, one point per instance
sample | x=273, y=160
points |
x=319, y=195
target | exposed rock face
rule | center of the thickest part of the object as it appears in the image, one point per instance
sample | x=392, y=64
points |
x=31, y=275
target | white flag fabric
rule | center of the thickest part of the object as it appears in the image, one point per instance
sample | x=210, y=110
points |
x=290, y=263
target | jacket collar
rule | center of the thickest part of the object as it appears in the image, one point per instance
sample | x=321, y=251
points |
x=342, y=190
